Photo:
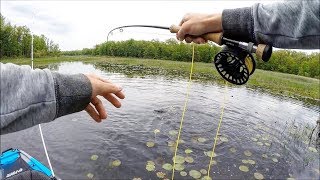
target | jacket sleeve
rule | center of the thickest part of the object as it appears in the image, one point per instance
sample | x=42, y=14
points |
x=290, y=24
x=30, y=97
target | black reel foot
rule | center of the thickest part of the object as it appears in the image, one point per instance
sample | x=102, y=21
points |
x=235, y=65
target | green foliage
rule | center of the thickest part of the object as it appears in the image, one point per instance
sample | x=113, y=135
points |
x=15, y=41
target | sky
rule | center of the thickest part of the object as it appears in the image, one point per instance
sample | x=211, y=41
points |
x=83, y=24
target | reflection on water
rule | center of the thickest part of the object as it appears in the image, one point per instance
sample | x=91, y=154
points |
x=268, y=135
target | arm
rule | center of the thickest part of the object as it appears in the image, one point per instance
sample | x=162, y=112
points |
x=292, y=24
x=30, y=97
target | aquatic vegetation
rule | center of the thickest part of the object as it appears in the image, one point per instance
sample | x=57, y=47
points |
x=171, y=143
x=156, y=131
x=179, y=167
x=161, y=174
x=247, y=153
x=195, y=174
x=167, y=167
x=94, y=157
x=206, y=178
x=173, y=132
x=203, y=171
x=254, y=139
x=224, y=139
x=188, y=151
x=90, y=175
x=264, y=156
x=267, y=144
x=258, y=176
x=136, y=178
x=312, y=149
x=179, y=159
x=260, y=143
x=183, y=173
x=189, y=159
x=150, y=144
x=290, y=178
x=244, y=161
x=275, y=160
x=151, y=163
x=210, y=154
x=244, y=168
x=251, y=161
x=202, y=140
x=116, y=163
x=233, y=150
x=150, y=167
x=214, y=162
x=276, y=154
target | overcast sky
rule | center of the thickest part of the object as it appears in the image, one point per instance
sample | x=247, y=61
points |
x=83, y=24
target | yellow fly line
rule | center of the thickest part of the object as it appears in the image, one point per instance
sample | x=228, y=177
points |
x=182, y=119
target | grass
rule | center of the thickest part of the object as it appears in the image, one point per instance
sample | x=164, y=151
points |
x=303, y=88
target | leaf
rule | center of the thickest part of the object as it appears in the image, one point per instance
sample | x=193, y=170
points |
x=179, y=159
x=136, y=178
x=251, y=162
x=202, y=140
x=233, y=150
x=244, y=161
x=90, y=175
x=195, y=174
x=167, y=167
x=247, y=153
x=188, y=151
x=94, y=157
x=258, y=176
x=267, y=144
x=264, y=156
x=156, y=131
x=161, y=174
x=260, y=143
x=244, y=168
x=150, y=167
x=312, y=149
x=206, y=178
x=224, y=139
x=151, y=163
x=209, y=153
x=171, y=143
x=274, y=159
x=173, y=132
x=179, y=167
x=150, y=144
x=189, y=159
x=183, y=173
x=116, y=163
x=254, y=139
x=203, y=171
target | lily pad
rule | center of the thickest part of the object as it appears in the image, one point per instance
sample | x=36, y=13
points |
x=151, y=163
x=188, y=151
x=260, y=143
x=179, y=159
x=179, y=167
x=136, y=178
x=150, y=144
x=181, y=141
x=116, y=163
x=161, y=174
x=251, y=161
x=214, y=162
x=265, y=138
x=173, y=132
x=203, y=171
x=195, y=174
x=276, y=154
x=274, y=159
x=210, y=154
x=267, y=144
x=150, y=167
x=258, y=176
x=233, y=150
x=183, y=173
x=244, y=168
x=254, y=139
x=171, y=143
x=312, y=149
x=264, y=156
x=202, y=140
x=90, y=175
x=224, y=139
x=167, y=167
x=244, y=161
x=206, y=178
x=94, y=157
x=290, y=178
x=156, y=131
x=189, y=159
x=247, y=153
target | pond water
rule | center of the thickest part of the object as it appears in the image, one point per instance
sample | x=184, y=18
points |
x=274, y=130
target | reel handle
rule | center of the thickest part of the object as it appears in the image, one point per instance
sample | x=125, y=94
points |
x=214, y=37
x=264, y=52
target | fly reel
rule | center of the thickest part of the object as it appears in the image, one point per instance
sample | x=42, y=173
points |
x=235, y=64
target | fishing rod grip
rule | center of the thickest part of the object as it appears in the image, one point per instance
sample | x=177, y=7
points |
x=214, y=37
x=264, y=52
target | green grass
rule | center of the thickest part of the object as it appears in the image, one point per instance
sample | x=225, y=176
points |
x=294, y=86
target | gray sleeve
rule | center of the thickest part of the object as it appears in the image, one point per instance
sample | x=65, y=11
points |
x=290, y=24
x=30, y=97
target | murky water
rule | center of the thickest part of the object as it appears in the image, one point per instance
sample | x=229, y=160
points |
x=275, y=130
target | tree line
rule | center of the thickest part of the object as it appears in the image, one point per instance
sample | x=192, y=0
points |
x=285, y=61
x=15, y=41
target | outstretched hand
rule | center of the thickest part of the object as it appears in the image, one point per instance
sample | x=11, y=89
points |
x=106, y=89
x=194, y=24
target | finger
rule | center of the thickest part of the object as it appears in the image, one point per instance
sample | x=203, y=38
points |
x=96, y=102
x=188, y=39
x=113, y=100
x=104, y=88
x=184, y=19
x=120, y=95
x=199, y=40
x=92, y=112
x=181, y=33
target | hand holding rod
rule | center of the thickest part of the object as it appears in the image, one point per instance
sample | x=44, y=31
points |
x=262, y=51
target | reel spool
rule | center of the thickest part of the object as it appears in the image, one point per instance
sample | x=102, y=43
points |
x=235, y=65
